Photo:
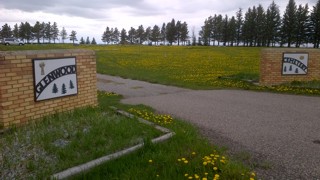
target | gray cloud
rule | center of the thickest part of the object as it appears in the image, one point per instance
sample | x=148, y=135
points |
x=92, y=9
x=98, y=9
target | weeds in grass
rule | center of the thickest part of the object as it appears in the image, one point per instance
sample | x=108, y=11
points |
x=67, y=139
x=185, y=156
x=150, y=116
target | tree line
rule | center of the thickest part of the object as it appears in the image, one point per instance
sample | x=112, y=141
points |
x=299, y=26
x=258, y=27
x=39, y=32
x=171, y=32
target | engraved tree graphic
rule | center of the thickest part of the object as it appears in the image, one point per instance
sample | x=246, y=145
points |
x=55, y=88
x=64, y=89
x=71, y=86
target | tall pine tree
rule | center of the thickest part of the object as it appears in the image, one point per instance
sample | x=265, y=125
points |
x=315, y=25
x=289, y=24
x=273, y=22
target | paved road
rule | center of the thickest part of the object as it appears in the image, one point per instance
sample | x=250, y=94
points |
x=280, y=132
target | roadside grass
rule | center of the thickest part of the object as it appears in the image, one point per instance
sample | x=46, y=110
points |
x=64, y=140
x=186, y=155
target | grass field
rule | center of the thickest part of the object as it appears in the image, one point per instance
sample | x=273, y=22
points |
x=195, y=67
x=191, y=67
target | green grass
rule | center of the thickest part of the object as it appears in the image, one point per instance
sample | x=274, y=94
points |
x=190, y=67
x=167, y=157
x=196, y=67
x=68, y=139
x=63, y=140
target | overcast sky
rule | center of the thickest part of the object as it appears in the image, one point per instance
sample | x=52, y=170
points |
x=91, y=17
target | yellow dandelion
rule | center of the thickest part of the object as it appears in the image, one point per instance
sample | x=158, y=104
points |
x=253, y=174
x=205, y=163
x=150, y=161
x=251, y=178
x=193, y=153
x=204, y=178
x=179, y=160
x=186, y=175
x=190, y=177
x=186, y=162
x=215, y=168
x=183, y=159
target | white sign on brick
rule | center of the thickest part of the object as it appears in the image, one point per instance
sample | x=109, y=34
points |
x=54, y=78
x=295, y=63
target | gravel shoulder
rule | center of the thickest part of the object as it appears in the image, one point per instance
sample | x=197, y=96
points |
x=279, y=132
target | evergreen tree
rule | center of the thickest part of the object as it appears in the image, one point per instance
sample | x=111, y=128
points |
x=115, y=36
x=155, y=34
x=55, y=88
x=43, y=31
x=239, y=23
x=184, y=32
x=315, y=25
x=147, y=34
x=249, y=27
x=63, y=34
x=302, y=25
x=171, y=32
x=82, y=41
x=123, y=36
x=232, y=30
x=260, y=27
x=178, y=31
x=25, y=31
x=205, y=32
x=63, y=89
x=106, y=37
x=163, y=33
x=194, y=39
x=71, y=86
x=54, y=32
x=132, y=35
x=217, y=28
x=36, y=30
x=140, y=34
x=48, y=32
x=93, y=41
x=6, y=31
x=289, y=24
x=88, y=40
x=15, y=31
x=73, y=36
x=273, y=23
x=225, y=31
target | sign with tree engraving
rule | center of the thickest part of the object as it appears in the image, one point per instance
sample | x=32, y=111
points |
x=295, y=63
x=54, y=78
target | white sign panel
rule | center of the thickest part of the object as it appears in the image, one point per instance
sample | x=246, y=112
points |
x=295, y=63
x=54, y=78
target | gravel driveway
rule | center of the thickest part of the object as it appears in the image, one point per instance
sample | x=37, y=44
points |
x=278, y=134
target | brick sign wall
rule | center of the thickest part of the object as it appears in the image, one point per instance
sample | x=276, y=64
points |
x=18, y=102
x=284, y=65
